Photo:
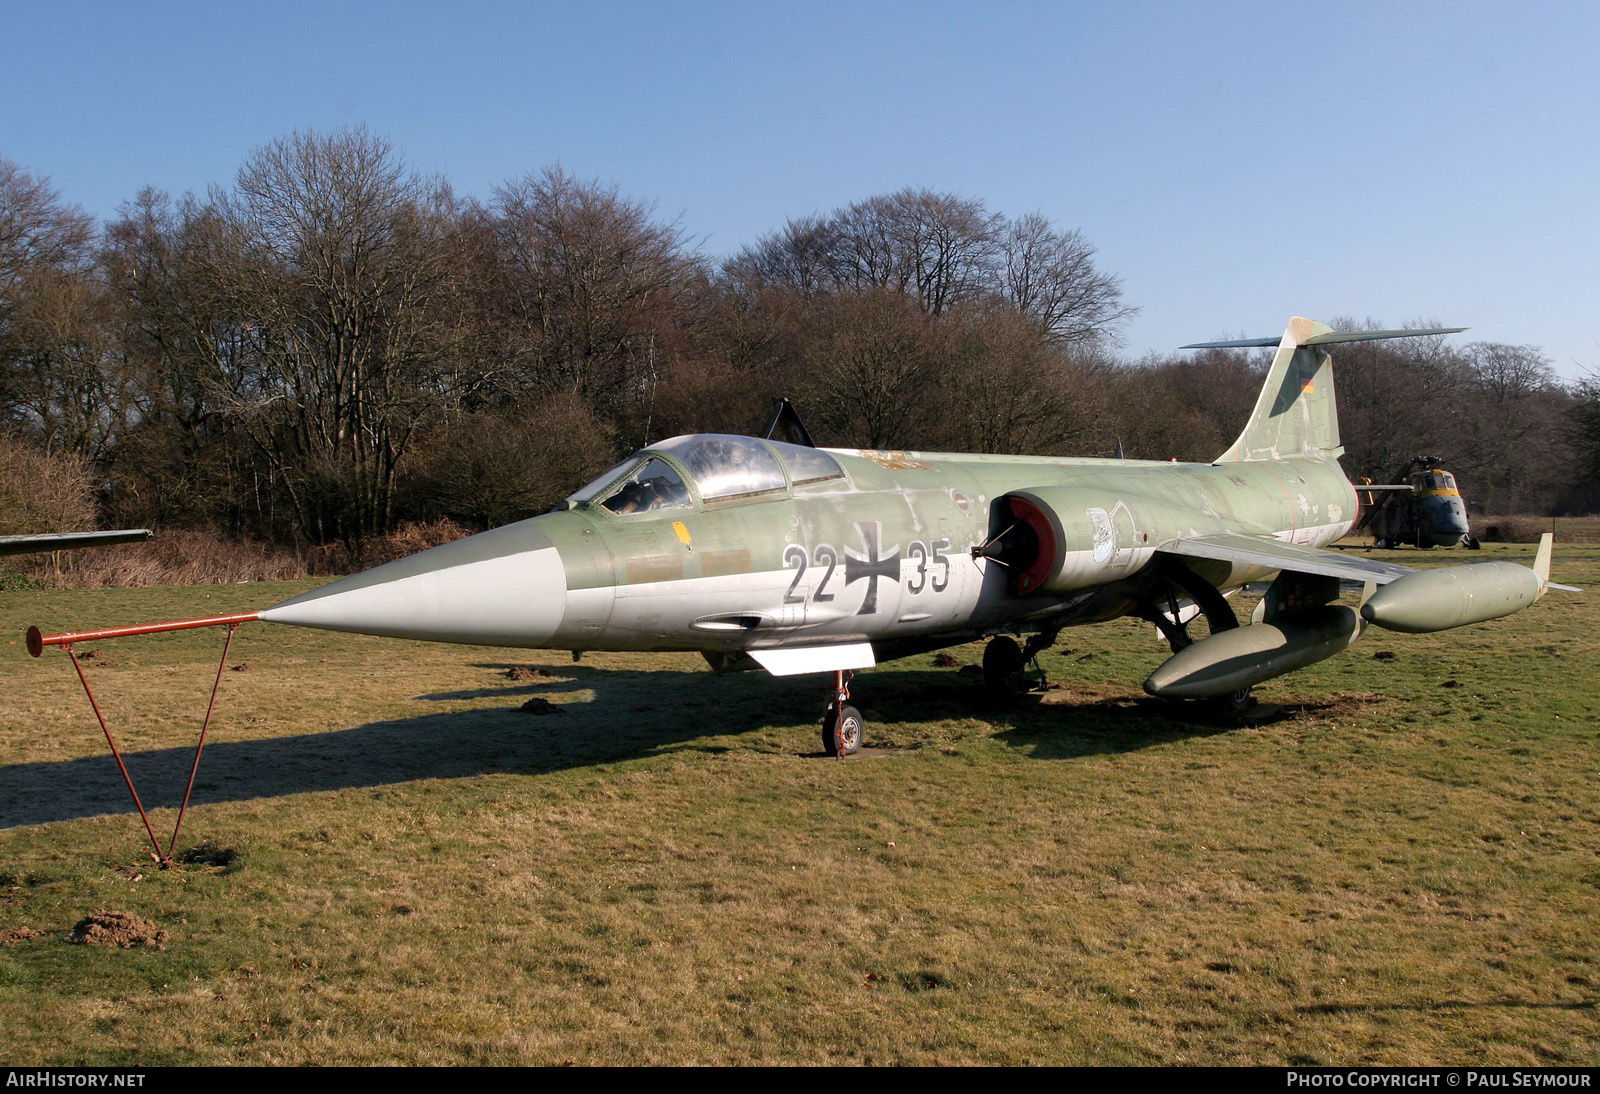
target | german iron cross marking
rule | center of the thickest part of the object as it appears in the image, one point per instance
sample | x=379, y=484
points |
x=870, y=567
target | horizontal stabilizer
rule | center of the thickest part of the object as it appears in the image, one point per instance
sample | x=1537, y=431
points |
x=1327, y=339
x=1239, y=343
x=1275, y=554
x=801, y=659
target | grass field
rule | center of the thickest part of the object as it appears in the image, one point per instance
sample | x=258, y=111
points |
x=396, y=864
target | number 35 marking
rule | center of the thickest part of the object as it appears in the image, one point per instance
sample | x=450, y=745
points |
x=922, y=554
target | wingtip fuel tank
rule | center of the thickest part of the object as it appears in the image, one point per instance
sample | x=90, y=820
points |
x=1437, y=600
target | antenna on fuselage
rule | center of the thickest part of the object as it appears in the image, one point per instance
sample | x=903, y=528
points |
x=786, y=418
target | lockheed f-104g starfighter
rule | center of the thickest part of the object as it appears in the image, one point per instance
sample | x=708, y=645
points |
x=762, y=552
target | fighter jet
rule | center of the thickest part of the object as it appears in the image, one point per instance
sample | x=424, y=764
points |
x=758, y=552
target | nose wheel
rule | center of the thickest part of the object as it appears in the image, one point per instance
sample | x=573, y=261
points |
x=842, y=727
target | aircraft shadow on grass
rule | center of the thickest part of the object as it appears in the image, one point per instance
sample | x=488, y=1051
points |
x=605, y=716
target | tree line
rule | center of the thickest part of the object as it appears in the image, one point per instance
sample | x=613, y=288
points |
x=335, y=344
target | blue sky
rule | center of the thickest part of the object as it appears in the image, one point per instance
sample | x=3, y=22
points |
x=1234, y=163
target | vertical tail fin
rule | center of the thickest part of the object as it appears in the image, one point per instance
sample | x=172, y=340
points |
x=1296, y=415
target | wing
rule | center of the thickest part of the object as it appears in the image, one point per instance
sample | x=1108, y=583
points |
x=68, y=541
x=1274, y=554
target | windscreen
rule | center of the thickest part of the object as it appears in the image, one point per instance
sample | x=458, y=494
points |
x=654, y=486
x=598, y=486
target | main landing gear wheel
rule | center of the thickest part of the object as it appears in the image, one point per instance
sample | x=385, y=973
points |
x=1002, y=664
x=1235, y=704
x=842, y=731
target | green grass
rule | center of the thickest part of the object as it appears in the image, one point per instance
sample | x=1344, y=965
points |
x=1393, y=871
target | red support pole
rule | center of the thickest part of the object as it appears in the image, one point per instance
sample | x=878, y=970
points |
x=205, y=725
x=36, y=644
x=137, y=804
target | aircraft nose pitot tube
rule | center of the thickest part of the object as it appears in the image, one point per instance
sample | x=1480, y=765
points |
x=506, y=587
x=1231, y=660
x=1437, y=600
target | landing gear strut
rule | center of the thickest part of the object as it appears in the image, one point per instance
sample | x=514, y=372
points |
x=1234, y=704
x=1004, y=660
x=842, y=727
x=1219, y=617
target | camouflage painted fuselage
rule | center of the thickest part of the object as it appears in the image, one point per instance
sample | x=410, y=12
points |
x=883, y=554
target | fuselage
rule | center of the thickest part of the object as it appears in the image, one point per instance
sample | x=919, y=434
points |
x=881, y=551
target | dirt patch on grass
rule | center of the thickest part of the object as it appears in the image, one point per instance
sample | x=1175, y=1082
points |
x=18, y=934
x=1057, y=692
x=1339, y=704
x=945, y=661
x=536, y=705
x=121, y=929
x=206, y=853
x=527, y=672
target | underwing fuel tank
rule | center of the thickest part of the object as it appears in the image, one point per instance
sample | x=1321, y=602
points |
x=1436, y=600
x=1234, y=659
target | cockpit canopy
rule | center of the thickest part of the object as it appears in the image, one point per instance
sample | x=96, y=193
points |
x=723, y=466
x=1435, y=481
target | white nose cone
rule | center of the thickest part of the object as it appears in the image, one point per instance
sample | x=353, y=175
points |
x=506, y=587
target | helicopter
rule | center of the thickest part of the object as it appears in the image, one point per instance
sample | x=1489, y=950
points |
x=1423, y=507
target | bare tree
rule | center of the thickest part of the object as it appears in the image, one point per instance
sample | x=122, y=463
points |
x=946, y=252
x=1583, y=425
x=936, y=248
x=1510, y=448
x=501, y=464
x=328, y=260
x=1050, y=277
x=873, y=360
x=43, y=491
x=1003, y=389
x=37, y=231
x=53, y=379
x=799, y=256
x=589, y=281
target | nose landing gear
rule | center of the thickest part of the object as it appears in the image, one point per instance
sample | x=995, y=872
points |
x=842, y=727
